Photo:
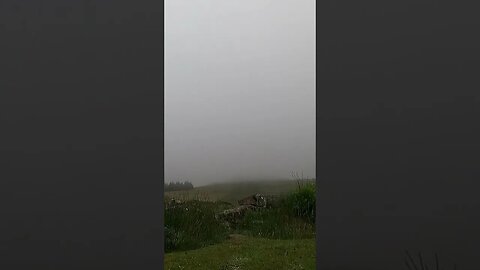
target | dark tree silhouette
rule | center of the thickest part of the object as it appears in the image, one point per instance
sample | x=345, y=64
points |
x=175, y=186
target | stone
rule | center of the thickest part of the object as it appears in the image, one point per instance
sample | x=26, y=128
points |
x=260, y=200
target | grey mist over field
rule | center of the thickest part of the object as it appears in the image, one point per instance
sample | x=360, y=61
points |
x=239, y=89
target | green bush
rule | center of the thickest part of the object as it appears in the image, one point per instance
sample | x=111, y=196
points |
x=293, y=218
x=275, y=223
x=302, y=202
x=192, y=225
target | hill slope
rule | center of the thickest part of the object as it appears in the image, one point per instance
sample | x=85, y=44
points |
x=232, y=192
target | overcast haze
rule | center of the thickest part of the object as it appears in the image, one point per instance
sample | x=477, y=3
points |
x=239, y=89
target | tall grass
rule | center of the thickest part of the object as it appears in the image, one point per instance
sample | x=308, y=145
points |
x=302, y=201
x=293, y=218
x=188, y=196
x=275, y=223
x=193, y=225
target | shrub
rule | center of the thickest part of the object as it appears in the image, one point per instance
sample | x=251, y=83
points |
x=192, y=225
x=302, y=202
x=293, y=218
x=275, y=223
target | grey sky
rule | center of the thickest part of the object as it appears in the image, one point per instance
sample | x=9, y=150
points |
x=239, y=89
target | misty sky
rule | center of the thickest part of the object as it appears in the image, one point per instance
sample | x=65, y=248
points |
x=239, y=89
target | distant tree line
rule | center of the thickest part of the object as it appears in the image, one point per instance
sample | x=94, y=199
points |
x=175, y=186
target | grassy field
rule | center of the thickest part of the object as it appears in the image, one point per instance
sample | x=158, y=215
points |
x=281, y=237
x=232, y=192
x=242, y=252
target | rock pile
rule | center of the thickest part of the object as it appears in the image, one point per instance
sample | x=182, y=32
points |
x=253, y=202
x=257, y=200
x=172, y=203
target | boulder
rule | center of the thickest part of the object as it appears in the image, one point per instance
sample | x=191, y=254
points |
x=234, y=215
x=260, y=200
x=253, y=202
x=172, y=203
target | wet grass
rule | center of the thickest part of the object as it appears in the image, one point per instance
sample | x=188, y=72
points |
x=267, y=238
x=192, y=224
x=232, y=192
x=242, y=252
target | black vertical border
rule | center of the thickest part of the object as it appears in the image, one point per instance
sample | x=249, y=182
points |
x=60, y=189
x=317, y=131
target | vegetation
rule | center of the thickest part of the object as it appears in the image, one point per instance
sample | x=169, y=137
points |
x=234, y=191
x=294, y=218
x=193, y=225
x=276, y=223
x=302, y=202
x=280, y=237
x=243, y=252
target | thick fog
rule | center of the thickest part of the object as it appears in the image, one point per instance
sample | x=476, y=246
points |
x=239, y=89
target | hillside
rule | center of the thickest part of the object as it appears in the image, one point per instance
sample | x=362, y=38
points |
x=232, y=192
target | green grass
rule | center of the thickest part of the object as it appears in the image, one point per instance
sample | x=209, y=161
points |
x=293, y=218
x=242, y=252
x=277, y=223
x=271, y=238
x=193, y=225
x=232, y=192
x=302, y=201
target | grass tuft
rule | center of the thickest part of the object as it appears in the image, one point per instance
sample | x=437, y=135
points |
x=193, y=225
x=302, y=202
x=275, y=223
